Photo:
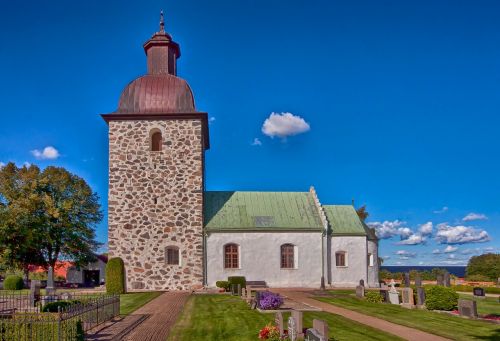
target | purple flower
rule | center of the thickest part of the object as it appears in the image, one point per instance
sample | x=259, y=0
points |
x=269, y=300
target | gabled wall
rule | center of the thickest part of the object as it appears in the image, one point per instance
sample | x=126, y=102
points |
x=356, y=269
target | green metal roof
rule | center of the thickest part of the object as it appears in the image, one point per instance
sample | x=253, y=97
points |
x=236, y=211
x=344, y=220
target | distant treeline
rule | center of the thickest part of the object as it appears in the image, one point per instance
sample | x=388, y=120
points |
x=426, y=275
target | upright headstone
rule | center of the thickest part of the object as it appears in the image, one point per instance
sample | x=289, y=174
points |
x=322, y=327
x=292, y=329
x=407, y=279
x=50, y=289
x=407, y=298
x=467, y=308
x=418, y=281
x=440, y=280
x=420, y=296
x=244, y=293
x=34, y=292
x=360, y=291
x=447, y=279
x=299, y=322
x=477, y=291
x=362, y=282
x=385, y=295
x=278, y=319
x=393, y=293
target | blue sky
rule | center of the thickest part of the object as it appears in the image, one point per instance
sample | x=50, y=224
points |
x=394, y=104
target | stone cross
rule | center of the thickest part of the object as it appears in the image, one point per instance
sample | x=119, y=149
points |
x=292, y=329
x=278, y=319
x=447, y=279
x=322, y=328
x=392, y=284
x=50, y=282
x=299, y=322
x=407, y=279
x=467, y=308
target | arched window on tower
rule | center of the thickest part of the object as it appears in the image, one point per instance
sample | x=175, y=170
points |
x=156, y=141
x=287, y=256
x=231, y=260
x=172, y=255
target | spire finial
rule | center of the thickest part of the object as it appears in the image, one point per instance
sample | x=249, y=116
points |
x=162, y=22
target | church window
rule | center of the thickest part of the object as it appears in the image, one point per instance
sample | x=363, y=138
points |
x=172, y=255
x=370, y=259
x=231, y=256
x=341, y=258
x=156, y=141
x=287, y=256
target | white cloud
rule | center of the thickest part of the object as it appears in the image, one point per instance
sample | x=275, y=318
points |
x=211, y=120
x=420, y=263
x=468, y=251
x=450, y=248
x=26, y=164
x=404, y=253
x=48, y=153
x=436, y=251
x=284, y=124
x=447, y=234
x=386, y=257
x=451, y=256
x=489, y=249
x=426, y=229
x=444, y=209
x=474, y=216
x=414, y=239
x=389, y=229
x=256, y=142
x=2, y=164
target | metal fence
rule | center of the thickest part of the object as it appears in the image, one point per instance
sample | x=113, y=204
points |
x=22, y=319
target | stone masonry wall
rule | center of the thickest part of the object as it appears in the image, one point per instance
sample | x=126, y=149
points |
x=139, y=229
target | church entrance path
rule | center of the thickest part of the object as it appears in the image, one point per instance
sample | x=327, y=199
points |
x=151, y=322
x=404, y=332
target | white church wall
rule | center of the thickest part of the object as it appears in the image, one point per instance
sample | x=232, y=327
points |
x=355, y=269
x=373, y=280
x=260, y=258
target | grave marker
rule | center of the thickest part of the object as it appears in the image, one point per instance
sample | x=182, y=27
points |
x=292, y=329
x=313, y=335
x=50, y=290
x=420, y=296
x=299, y=322
x=407, y=279
x=362, y=282
x=478, y=292
x=322, y=328
x=34, y=292
x=418, y=281
x=447, y=279
x=407, y=298
x=467, y=308
x=360, y=291
x=440, y=280
x=393, y=293
x=278, y=319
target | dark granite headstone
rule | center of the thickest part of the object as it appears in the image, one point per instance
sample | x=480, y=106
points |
x=477, y=291
x=385, y=295
x=418, y=280
x=407, y=279
x=447, y=279
x=420, y=296
x=362, y=282
x=467, y=308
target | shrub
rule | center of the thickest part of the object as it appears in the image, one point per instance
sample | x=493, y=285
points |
x=222, y=284
x=13, y=282
x=478, y=278
x=373, y=297
x=269, y=300
x=441, y=298
x=115, y=276
x=237, y=280
x=53, y=307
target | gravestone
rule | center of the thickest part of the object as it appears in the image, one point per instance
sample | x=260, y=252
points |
x=478, y=291
x=418, y=281
x=407, y=279
x=34, y=292
x=393, y=293
x=385, y=295
x=50, y=289
x=322, y=328
x=440, y=280
x=420, y=296
x=299, y=322
x=362, y=282
x=447, y=279
x=407, y=298
x=360, y=291
x=292, y=329
x=467, y=308
x=278, y=319
x=313, y=335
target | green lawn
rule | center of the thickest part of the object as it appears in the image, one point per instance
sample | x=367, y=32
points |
x=485, y=306
x=228, y=318
x=131, y=301
x=446, y=325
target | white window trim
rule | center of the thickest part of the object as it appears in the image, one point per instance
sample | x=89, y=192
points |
x=371, y=260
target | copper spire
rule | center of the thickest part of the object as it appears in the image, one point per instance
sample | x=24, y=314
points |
x=162, y=22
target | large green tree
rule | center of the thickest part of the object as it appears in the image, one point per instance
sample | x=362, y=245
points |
x=487, y=265
x=46, y=215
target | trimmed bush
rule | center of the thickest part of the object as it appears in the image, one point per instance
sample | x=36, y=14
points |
x=53, y=307
x=237, y=280
x=373, y=297
x=115, y=276
x=222, y=284
x=13, y=282
x=441, y=298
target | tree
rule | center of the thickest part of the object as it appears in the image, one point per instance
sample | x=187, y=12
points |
x=362, y=213
x=46, y=215
x=487, y=265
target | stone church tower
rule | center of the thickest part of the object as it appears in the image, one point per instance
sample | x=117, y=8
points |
x=157, y=142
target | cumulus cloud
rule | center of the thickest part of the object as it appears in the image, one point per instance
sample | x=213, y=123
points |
x=447, y=234
x=426, y=229
x=450, y=248
x=406, y=254
x=48, y=153
x=474, y=216
x=2, y=164
x=414, y=239
x=211, y=120
x=284, y=124
x=468, y=251
x=444, y=209
x=256, y=142
x=436, y=251
x=389, y=229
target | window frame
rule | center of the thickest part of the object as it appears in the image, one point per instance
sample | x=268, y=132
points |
x=231, y=256
x=371, y=259
x=344, y=255
x=178, y=255
x=153, y=143
x=288, y=253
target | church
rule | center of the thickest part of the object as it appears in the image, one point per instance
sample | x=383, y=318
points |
x=172, y=234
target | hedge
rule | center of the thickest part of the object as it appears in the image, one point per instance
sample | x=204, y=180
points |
x=115, y=276
x=373, y=297
x=441, y=298
x=13, y=282
x=237, y=280
x=53, y=307
x=222, y=284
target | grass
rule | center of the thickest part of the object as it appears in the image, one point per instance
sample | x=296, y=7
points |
x=442, y=324
x=228, y=318
x=486, y=305
x=132, y=301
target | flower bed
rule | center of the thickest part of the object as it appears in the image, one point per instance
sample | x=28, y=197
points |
x=269, y=300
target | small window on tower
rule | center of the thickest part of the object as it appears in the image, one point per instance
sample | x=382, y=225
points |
x=172, y=255
x=156, y=142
